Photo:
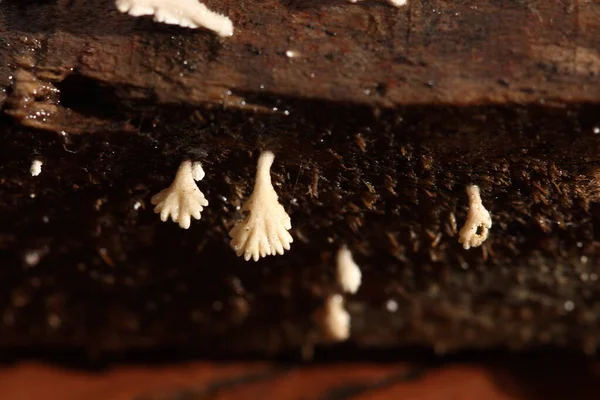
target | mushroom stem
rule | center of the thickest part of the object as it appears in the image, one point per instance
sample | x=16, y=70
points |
x=263, y=174
x=477, y=217
x=264, y=231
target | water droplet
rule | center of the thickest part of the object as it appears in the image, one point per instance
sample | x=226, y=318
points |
x=8, y=318
x=32, y=258
x=569, y=305
x=54, y=321
x=391, y=305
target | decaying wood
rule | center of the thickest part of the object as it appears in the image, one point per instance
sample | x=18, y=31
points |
x=429, y=52
x=379, y=124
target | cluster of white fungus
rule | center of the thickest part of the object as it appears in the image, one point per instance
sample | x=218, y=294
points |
x=333, y=318
x=186, y=13
x=348, y=273
x=182, y=200
x=264, y=231
x=477, y=218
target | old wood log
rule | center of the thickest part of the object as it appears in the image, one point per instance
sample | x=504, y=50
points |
x=431, y=52
x=380, y=119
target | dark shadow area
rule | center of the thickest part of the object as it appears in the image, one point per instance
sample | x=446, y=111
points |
x=548, y=377
x=88, y=97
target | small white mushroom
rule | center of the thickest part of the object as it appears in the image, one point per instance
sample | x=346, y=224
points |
x=395, y=3
x=264, y=231
x=292, y=53
x=334, y=319
x=477, y=218
x=391, y=305
x=186, y=13
x=348, y=272
x=36, y=167
x=182, y=200
x=398, y=3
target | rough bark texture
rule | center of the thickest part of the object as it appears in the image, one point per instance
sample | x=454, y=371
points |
x=379, y=124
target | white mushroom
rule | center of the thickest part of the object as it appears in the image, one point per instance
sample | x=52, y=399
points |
x=348, y=272
x=264, y=231
x=182, y=200
x=477, y=217
x=36, y=167
x=395, y=3
x=334, y=319
x=186, y=13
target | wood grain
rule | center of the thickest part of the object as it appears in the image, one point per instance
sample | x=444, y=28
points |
x=506, y=380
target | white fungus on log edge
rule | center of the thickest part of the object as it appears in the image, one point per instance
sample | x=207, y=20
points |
x=264, y=231
x=182, y=200
x=395, y=3
x=36, y=167
x=348, y=272
x=477, y=218
x=186, y=13
x=398, y=3
x=334, y=319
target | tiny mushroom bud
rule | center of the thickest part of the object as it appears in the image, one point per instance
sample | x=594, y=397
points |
x=186, y=13
x=398, y=3
x=182, y=200
x=36, y=168
x=348, y=273
x=477, y=217
x=264, y=231
x=395, y=3
x=334, y=319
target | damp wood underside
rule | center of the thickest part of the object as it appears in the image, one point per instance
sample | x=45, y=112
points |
x=378, y=123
